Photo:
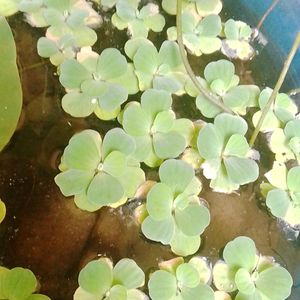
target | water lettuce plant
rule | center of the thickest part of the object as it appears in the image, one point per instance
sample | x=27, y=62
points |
x=283, y=193
x=19, y=284
x=282, y=110
x=97, y=172
x=220, y=80
x=91, y=84
x=177, y=279
x=99, y=279
x=10, y=85
x=226, y=152
x=138, y=21
x=176, y=216
x=254, y=276
x=153, y=125
x=285, y=143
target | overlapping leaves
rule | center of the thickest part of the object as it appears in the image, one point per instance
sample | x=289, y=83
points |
x=19, y=284
x=283, y=196
x=176, y=217
x=177, y=279
x=153, y=125
x=253, y=275
x=99, y=173
x=225, y=150
x=100, y=280
x=220, y=79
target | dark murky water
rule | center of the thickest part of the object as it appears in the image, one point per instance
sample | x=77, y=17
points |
x=45, y=232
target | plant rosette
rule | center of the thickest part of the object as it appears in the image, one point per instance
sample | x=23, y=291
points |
x=19, y=284
x=153, y=125
x=226, y=153
x=162, y=70
x=138, y=22
x=92, y=84
x=252, y=275
x=99, y=173
x=179, y=280
x=220, y=79
x=285, y=143
x=176, y=216
x=201, y=8
x=282, y=111
x=237, y=40
x=199, y=36
x=100, y=280
x=283, y=193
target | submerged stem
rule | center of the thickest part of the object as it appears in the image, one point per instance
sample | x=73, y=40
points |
x=278, y=85
x=188, y=68
x=265, y=15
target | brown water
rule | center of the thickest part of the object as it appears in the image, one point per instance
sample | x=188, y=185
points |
x=45, y=232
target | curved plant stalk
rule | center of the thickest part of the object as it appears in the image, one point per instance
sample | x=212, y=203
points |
x=294, y=92
x=278, y=85
x=188, y=68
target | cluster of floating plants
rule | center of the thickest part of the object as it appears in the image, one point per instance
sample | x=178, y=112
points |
x=108, y=170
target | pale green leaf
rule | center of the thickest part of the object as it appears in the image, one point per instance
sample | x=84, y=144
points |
x=200, y=292
x=163, y=122
x=8, y=8
x=203, y=268
x=155, y=22
x=38, y=297
x=115, y=163
x=237, y=145
x=206, y=107
x=278, y=201
x=223, y=277
x=133, y=45
x=113, y=97
x=293, y=179
x=187, y=275
x=149, y=65
x=244, y=282
x=117, y=292
x=83, y=203
x=46, y=47
x=169, y=54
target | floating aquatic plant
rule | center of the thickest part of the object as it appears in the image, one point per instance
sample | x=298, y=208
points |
x=282, y=110
x=237, y=40
x=138, y=22
x=100, y=280
x=254, y=276
x=183, y=280
x=283, y=195
x=91, y=83
x=97, y=172
x=226, y=153
x=161, y=70
x=155, y=129
x=19, y=284
x=176, y=216
x=220, y=79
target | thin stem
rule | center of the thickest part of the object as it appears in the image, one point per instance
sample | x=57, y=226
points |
x=269, y=10
x=213, y=99
x=278, y=85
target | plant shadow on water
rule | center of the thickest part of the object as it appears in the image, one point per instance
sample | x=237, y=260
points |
x=44, y=231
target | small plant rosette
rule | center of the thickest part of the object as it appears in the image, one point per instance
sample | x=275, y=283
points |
x=99, y=279
x=177, y=279
x=227, y=154
x=175, y=214
x=252, y=275
x=99, y=173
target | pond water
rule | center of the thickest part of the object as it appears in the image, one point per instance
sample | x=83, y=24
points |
x=45, y=232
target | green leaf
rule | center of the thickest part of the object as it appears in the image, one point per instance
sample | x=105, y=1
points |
x=2, y=211
x=46, y=47
x=105, y=189
x=275, y=283
x=72, y=182
x=149, y=65
x=133, y=45
x=187, y=275
x=209, y=142
x=73, y=74
x=210, y=26
x=163, y=122
x=278, y=201
x=113, y=97
x=201, y=292
x=177, y=174
x=223, y=276
x=207, y=7
x=10, y=85
x=84, y=36
x=240, y=253
x=111, y=64
x=293, y=179
x=168, y=145
x=160, y=202
x=203, y=268
x=136, y=120
x=96, y=277
x=155, y=22
x=136, y=295
x=193, y=219
x=115, y=164
x=83, y=151
x=241, y=170
x=159, y=231
x=117, y=292
x=127, y=273
x=7, y=8
x=207, y=108
x=244, y=282
x=169, y=54
x=38, y=297
x=83, y=203
x=81, y=294
x=93, y=88
x=78, y=105
x=162, y=285
x=237, y=145
x=19, y=283
x=277, y=176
